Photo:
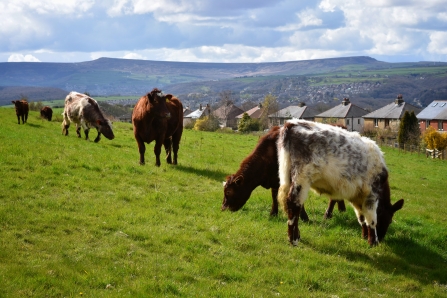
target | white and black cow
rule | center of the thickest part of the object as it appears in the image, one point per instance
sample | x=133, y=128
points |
x=340, y=164
x=84, y=111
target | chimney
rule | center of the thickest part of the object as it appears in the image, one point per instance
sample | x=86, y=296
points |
x=260, y=105
x=345, y=101
x=302, y=104
x=399, y=99
x=200, y=107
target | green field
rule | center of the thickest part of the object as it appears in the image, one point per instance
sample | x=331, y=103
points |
x=83, y=219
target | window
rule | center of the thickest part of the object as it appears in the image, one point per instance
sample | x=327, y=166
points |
x=376, y=122
x=387, y=123
x=440, y=125
x=434, y=105
x=358, y=121
x=443, y=104
x=347, y=121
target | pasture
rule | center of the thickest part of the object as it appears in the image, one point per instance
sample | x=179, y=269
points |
x=79, y=218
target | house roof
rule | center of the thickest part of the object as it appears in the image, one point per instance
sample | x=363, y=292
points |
x=298, y=112
x=227, y=111
x=255, y=113
x=344, y=110
x=198, y=113
x=435, y=110
x=394, y=110
x=186, y=111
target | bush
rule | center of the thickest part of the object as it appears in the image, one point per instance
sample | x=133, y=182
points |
x=247, y=124
x=208, y=123
x=435, y=140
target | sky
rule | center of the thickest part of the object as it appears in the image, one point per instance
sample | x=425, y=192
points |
x=222, y=30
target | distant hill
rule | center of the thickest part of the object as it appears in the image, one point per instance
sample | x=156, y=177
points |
x=311, y=81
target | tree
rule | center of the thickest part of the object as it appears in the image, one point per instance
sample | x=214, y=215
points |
x=270, y=106
x=409, y=132
x=248, y=124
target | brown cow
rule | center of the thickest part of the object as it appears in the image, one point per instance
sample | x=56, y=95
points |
x=158, y=117
x=22, y=109
x=261, y=168
x=46, y=113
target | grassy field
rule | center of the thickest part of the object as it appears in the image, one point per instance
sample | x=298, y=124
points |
x=79, y=218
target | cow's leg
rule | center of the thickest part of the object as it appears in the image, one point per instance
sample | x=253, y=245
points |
x=23, y=118
x=157, y=152
x=168, y=145
x=370, y=212
x=176, y=143
x=26, y=117
x=274, y=210
x=295, y=200
x=18, y=119
x=303, y=214
x=341, y=206
x=98, y=137
x=330, y=209
x=78, y=130
x=141, y=148
x=65, y=124
x=367, y=218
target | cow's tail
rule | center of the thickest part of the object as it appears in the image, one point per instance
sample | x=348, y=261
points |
x=285, y=166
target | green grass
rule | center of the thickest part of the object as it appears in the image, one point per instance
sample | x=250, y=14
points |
x=83, y=218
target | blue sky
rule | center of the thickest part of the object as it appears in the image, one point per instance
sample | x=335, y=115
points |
x=222, y=30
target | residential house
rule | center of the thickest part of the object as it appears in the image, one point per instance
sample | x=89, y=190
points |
x=227, y=114
x=186, y=111
x=434, y=115
x=197, y=114
x=346, y=113
x=254, y=113
x=300, y=111
x=388, y=117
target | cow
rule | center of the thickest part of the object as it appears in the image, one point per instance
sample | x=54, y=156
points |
x=158, y=117
x=84, y=111
x=22, y=109
x=340, y=164
x=46, y=113
x=261, y=168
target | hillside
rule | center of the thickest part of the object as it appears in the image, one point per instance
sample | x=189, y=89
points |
x=310, y=81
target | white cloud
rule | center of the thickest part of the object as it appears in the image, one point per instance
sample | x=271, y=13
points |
x=438, y=43
x=22, y=58
x=134, y=56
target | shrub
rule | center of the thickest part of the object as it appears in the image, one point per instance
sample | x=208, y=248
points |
x=435, y=140
x=208, y=123
x=248, y=124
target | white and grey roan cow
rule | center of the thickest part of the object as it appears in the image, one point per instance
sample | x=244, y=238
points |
x=338, y=163
x=84, y=112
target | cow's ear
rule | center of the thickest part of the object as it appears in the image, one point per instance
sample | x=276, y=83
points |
x=398, y=205
x=168, y=97
x=14, y=102
x=150, y=98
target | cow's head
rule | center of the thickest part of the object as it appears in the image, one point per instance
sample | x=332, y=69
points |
x=158, y=103
x=236, y=193
x=17, y=104
x=105, y=127
x=385, y=213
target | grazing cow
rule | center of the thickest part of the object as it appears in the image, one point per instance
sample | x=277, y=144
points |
x=46, y=113
x=22, y=109
x=158, y=117
x=84, y=112
x=261, y=168
x=338, y=163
